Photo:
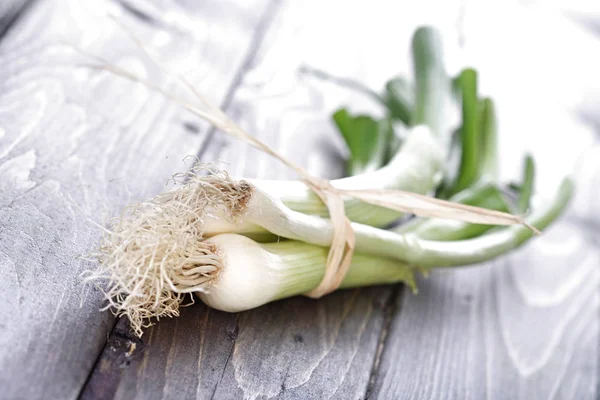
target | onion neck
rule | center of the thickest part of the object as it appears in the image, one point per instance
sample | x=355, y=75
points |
x=301, y=267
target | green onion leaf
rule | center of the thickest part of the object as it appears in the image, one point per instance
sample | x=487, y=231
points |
x=486, y=195
x=489, y=150
x=526, y=187
x=368, y=140
x=399, y=98
x=470, y=132
x=432, y=85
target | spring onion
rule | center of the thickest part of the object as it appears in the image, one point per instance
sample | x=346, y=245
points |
x=416, y=168
x=257, y=207
x=197, y=239
x=291, y=268
x=157, y=253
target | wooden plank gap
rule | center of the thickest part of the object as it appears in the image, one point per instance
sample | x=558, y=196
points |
x=121, y=347
x=233, y=335
x=138, y=13
x=392, y=307
x=259, y=34
x=13, y=15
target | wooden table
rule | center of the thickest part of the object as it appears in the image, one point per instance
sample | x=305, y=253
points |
x=76, y=145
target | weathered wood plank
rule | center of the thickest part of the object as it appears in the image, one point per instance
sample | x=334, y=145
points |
x=76, y=143
x=10, y=10
x=521, y=328
x=435, y=375
x=256, y=356
x=292, y=113
x=298, y=348
x=301, y=348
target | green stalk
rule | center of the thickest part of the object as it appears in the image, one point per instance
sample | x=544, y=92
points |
x=367, y=139
x=432, y=85
x=252, y=274
x=415, y=168
x=526, y=189
x=399, y=98
x=273, y=216
x=425, y=253
x=470, y=133
x=302, y=266
x=484, y=195
x=489, y=150
x=417, y=165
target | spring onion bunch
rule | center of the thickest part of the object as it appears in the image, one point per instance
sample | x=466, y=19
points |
x=238, y=244
x=159, y=251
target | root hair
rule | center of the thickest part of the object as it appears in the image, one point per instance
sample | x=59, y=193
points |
x=152, y=257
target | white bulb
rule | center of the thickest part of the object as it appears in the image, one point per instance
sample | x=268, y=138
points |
x=248, y=278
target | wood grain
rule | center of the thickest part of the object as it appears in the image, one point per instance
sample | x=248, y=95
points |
x=292, y=112
x=526, y=326
x=297, y=348
x=77, y=145
x=10, y=11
